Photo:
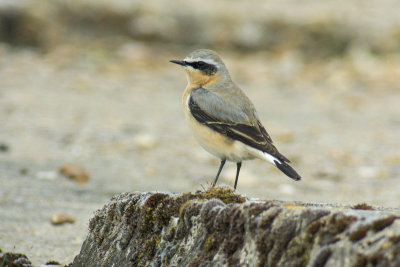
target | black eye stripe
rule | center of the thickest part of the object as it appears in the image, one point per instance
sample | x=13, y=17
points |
x=201, y=65
x=207, y=68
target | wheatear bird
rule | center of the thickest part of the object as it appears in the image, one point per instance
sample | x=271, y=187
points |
x=222, y=117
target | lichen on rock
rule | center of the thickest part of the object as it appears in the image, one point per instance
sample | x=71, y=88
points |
x=218, y=227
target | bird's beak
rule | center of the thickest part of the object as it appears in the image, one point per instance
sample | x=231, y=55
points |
x=179, y=62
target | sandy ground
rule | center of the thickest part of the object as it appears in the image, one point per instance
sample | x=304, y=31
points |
x=118, y=113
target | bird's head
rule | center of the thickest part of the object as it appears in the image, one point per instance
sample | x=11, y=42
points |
x=203, y=67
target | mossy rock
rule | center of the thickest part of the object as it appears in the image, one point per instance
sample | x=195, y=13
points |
x=218, y=227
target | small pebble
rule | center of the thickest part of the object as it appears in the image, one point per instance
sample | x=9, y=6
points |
x=144, y=141
x=368, y=172
x=61, y=218
x=46, y=175
x=75, y=172
x=52, y=262
x=23, y=171
x=4, y=148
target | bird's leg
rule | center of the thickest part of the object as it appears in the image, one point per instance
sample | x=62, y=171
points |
x=219, y=171
x=239, y=164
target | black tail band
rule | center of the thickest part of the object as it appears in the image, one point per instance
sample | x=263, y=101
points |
x=289, y=171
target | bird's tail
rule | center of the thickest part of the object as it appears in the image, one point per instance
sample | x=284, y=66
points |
x=283, y=166
x=286, y=169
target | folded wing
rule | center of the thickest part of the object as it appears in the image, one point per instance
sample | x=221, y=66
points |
x=211, y=110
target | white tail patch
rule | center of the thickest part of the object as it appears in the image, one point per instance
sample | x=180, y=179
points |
x=263, y=155
x=271, y=158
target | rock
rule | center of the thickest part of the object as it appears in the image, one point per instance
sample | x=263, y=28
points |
x=75, y=172
x=52, y=262
x=4, y=148
x=61, y=218
x=368, y=171
x=46, y=175
x=144, y=141
x=363, y=206
x=23, y=171
x=219, y=228
x=14, y=260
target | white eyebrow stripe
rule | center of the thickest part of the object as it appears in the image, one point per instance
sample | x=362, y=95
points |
x=207, y=60
x=210, y=61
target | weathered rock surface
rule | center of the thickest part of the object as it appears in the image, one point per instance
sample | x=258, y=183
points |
x=220, y=228
x=8, y=259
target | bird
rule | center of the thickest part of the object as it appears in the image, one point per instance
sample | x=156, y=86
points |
x=222, y=118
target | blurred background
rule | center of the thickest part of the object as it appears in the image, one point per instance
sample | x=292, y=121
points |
x=87, y=93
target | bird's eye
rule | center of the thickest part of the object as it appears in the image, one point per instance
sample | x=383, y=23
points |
x=201, y=65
